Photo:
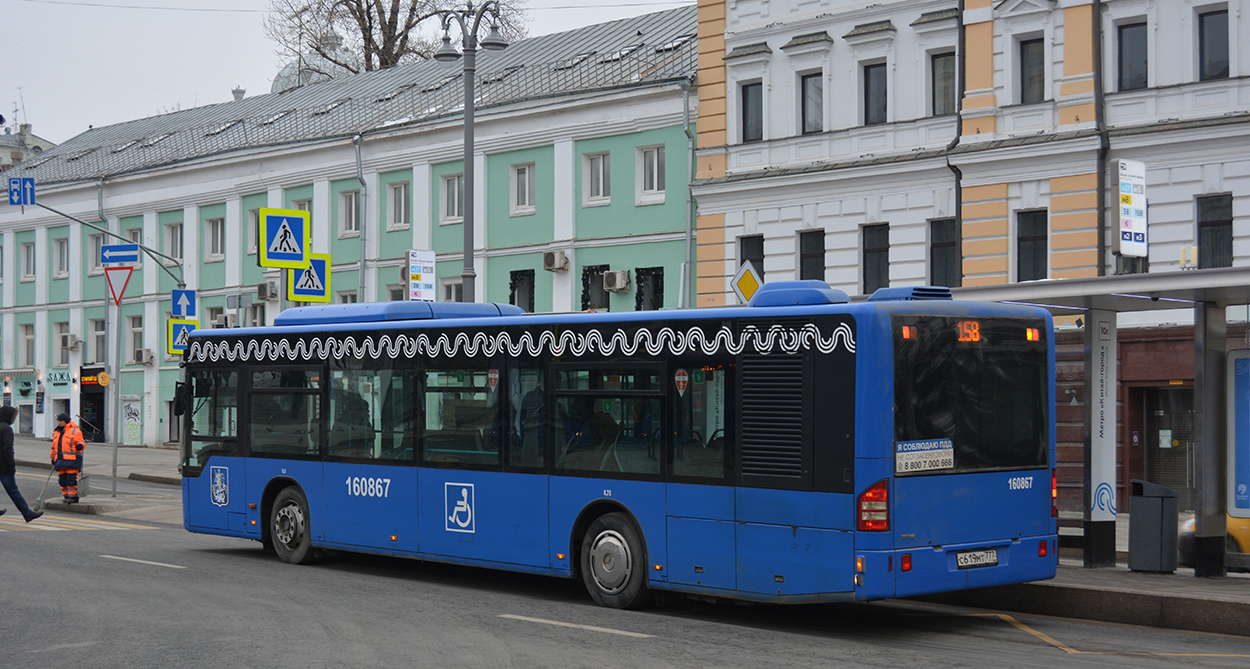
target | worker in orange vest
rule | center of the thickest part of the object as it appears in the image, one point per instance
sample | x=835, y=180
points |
x=67, y=445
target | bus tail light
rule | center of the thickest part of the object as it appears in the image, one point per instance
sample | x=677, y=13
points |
x=1054, y=494
x=904, y=562
x=874, y=508
x=1041, y=548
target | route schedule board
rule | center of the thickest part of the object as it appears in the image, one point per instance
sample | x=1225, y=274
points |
x=1132, y=208
x=284, y=237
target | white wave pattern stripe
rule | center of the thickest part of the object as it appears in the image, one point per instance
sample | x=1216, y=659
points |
x=774, y=339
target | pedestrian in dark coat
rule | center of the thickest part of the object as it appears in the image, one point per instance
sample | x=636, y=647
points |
x=8, y=465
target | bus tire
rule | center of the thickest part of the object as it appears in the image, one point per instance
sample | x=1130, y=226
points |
x=613, y=563
x=289, y=527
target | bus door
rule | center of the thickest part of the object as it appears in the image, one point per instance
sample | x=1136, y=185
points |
x=470, y=507
x=370, y=473
x=214, y=474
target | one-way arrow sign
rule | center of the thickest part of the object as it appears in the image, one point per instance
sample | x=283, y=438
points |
x=184, y=304
x=115, y=253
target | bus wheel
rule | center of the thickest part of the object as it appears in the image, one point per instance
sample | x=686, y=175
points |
x=288, y=526
x=614, y=568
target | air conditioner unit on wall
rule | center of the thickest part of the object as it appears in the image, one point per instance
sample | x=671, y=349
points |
x=555, y=261
x=69, y=341
x=226, y=321
x=267, y=290
x=143, y=356
x=616, y=282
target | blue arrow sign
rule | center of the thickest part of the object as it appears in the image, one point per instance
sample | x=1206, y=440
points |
x=184, y=304
x=115, y=253
x=21, y=190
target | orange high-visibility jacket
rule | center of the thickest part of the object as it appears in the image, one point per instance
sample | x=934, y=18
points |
x=67, y=443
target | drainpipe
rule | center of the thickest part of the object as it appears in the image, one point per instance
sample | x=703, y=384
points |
x=360, y=217
x=683, y=299
x=1104, y=140
x=962, y=64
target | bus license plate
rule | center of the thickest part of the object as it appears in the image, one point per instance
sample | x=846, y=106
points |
x=974, y=559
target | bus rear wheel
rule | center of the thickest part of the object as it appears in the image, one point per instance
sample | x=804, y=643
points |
x=613, y=563
x=288, y=527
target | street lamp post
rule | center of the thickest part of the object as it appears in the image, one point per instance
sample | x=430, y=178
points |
x=469, y=19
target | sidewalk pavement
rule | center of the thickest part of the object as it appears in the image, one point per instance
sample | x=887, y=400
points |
x=1178, y=600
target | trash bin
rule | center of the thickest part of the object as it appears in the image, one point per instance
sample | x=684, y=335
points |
x=1152, y=528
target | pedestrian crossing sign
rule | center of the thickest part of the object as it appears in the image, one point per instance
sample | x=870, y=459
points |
x=179, y=329
x=284, y=238
x=310, y=284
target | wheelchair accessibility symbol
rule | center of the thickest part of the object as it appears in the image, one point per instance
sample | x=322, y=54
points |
x=458, y=500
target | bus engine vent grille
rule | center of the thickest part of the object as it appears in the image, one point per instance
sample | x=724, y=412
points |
x=772, y=415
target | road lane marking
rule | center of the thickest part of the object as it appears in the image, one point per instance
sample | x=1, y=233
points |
x=58, y=522
x=154, y=564
x=590, y=628
x=64, y=646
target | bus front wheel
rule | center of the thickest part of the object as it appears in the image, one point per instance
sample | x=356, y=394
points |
x=614, y=567
x=288, y=527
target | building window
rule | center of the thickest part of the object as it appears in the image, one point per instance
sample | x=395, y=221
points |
x=521, y=289
x=943, y=78
x=874, y=94
x=28, y=345
x=62, y=355
x=598, y=179
x=1213, y=45
x=97, y=247
x=593, y=294
x=214, y=239
x=812, y=255
x=62, y=258
x=876, y=257
x=650, y=176
x=945, y=261
x=347, y=297
x=28, y=261
x=1032, y=71
x=453, y=197
x=302, y=205
x=752, y=112
x=1031, y=245
x=751, y=249
x=397, y=293
x=253, y=230
x=215, y=316
x=1133, y=65
x=401, y=206
x=98, y=350
x=135, y=235
x=349, y=213
x=453, y=289
x=649, y=295
x=522, y=190
x=256, y=316
x=173, y=240
x=1215, y=231
x=136, y=337
x=812, y=102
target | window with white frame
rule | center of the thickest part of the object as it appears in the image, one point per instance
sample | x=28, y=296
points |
x=256, y=316
x=253, y=230
x=97, y=246
x=942, y=79
x=650, y=175
x=347, y=297
x=453, y=289
x=302, y=205
x=214, y=239
x=811, y=102
x=214, y=314
x=136, y=337
x=396, y=293
x=62, y=258
x=98, y=350
x=1213, y=45
x=173, y=241
x=28, y=261
x=752, y=111
x=349, y=213
x=597, y=179
x=453, y=197
x=400, y=200
x=62, y=353
x=522, y=190
x=1032, y=71
x=135, y=235
x=28, y=344
x=876, y=104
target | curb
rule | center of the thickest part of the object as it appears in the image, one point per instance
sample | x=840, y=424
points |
x=42, y=464
x=152, y=478
x=1129, y=608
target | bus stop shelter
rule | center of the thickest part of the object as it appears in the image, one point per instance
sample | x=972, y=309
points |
x=1098, y=301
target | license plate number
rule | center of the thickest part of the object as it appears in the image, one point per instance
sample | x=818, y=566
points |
x=974, y=559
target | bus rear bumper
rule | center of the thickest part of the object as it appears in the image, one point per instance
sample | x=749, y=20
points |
x=925, y=570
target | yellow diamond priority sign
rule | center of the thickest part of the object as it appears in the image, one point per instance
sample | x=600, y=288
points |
x=746, y=282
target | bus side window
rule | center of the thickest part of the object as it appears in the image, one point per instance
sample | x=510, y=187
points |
x=527, y=427
x=699, y=421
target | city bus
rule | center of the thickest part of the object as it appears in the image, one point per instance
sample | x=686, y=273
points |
x=800, y=448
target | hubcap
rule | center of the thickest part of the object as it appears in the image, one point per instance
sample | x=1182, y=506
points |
x=288, y=526
x=610, y=562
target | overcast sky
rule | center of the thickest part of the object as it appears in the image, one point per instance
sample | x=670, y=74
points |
x=70, y=64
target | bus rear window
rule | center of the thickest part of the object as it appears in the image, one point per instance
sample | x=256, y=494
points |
x=970, y=394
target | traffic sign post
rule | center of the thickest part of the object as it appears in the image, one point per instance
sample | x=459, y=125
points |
x=311, y=284
x=746, y=282
x=184, y=304
x=178, y=331
x=21, y=190
x=119, y=253
x=284, y=238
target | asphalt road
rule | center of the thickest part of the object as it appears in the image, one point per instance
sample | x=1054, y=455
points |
x=101, y=592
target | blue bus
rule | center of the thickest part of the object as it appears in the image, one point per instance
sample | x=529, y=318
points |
x=801, y=448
